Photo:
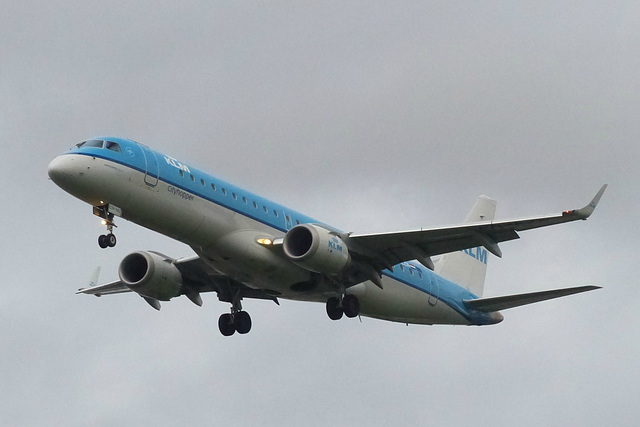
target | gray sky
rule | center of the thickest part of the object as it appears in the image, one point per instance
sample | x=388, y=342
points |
x=367, y=115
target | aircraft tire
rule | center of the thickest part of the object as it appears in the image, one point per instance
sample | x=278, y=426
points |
x=226, y=325
x=111, y=240
x=243, y=322
x=102, y=241
x=334, y=310
x=351, y=306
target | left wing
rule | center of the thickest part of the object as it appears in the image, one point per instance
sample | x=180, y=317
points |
x=384, y=250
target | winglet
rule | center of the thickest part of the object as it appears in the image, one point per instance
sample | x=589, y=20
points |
x=93, y=281
x=94, y=277
x=586, y=212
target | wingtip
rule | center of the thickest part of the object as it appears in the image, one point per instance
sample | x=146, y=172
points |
x=586, y=211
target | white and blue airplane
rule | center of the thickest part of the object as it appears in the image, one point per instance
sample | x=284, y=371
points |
x=249, y=247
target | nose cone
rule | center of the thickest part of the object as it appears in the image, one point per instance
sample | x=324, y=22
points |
x=76, y=175
x=60, y=171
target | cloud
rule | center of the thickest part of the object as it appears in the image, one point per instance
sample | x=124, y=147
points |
x=369, y=116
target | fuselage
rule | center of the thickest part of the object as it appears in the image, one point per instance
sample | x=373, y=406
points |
x=224, y=223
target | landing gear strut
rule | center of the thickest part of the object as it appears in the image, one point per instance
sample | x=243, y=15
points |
x=237, y=321
x=349, y=306
x=106, y=240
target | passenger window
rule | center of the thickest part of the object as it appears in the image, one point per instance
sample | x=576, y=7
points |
x=265, y=209
x=213, y=186
x=193, y=178
x=255, y=205
x=202, y=181
x=181, y=173
x=224, y=191
x=235, y=196
x=244, y=199
x=275, y=213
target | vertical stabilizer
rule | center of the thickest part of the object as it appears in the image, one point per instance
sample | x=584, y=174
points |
x=468, y=267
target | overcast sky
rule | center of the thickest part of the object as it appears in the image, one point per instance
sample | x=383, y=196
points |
x=370, y=116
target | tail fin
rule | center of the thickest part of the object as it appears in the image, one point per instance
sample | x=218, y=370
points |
x=468, y=267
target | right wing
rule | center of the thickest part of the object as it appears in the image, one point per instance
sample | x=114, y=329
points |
x=107, y=289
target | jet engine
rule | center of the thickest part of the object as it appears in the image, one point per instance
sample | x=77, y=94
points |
x=316, y=249
x=151, y=275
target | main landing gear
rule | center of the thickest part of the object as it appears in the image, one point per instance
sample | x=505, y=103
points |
x=237, y=321
x=106, y=240
x=349, y=306
x=230, y=323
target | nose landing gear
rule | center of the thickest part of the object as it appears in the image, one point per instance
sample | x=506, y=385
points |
x=105, y=212
x=107, y=240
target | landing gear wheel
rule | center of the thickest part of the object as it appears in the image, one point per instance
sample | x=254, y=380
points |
x=226, y=325
x=243, y=322
x=107, y=241
x=351, y=305
x=334, y=311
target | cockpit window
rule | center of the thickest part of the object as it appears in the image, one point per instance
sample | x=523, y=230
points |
x=114, y=146
x=91, y=143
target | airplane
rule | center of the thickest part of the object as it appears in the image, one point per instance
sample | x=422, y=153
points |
x=248, y=247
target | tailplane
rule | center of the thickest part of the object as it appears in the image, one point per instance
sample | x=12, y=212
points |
x=511, y=301
x=468, y=267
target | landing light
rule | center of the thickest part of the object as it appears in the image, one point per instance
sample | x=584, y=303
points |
x=104, y=222
x=265, y=241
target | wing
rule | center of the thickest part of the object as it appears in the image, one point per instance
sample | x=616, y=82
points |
x=387, y=249
x=106, y=289
x=197, y=277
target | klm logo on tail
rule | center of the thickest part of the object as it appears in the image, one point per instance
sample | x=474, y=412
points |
x=478, y=253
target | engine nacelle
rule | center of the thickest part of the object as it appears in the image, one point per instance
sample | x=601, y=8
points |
x=316, y=249
x=150, y=275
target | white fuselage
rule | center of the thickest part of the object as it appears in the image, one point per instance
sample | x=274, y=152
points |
x=226, y=239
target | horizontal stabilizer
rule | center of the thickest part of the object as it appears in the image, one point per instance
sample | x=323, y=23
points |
x=511, y=301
